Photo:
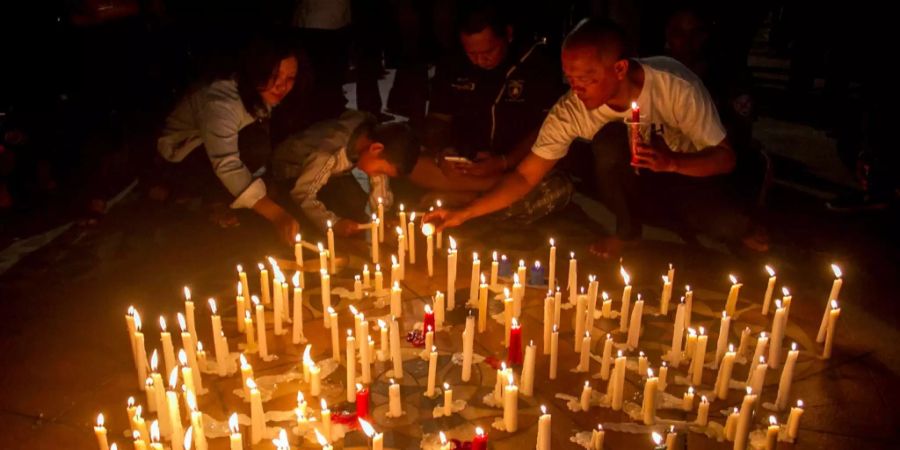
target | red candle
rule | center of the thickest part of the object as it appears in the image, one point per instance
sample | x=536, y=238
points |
x=362, y=402
x=479, y=442
x=428, y=322
x=635, y=112
x=514, y=356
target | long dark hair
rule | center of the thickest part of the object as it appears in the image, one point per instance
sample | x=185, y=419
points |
x=257, y=64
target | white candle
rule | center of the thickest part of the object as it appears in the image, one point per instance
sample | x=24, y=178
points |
x=554, y=352
x=396, y=357
x=511, y=406
x=626, y=299
x=297, y=325
x=521, y=271
x=246, y=374
x=374, y=236
x=643, y=365
x=605, y=360
x=775, y=343
x=468, y=348
x=385, y=351
x=326, y=295
x=159, y=396
x=380, y=219
x=663, y=376
x=351, y=367
x=396, y=307
x=100, y=433
x=495, y=268
x=451, y=275
x=377, y=438
x=264, y=288
x=731, y=425
x=551, y=273
x=634, y=330
x=687, y=402
x=357, y=288
x=197, y=423
x=298, y=251
x=326, y=420
x=261, y=343
x=648, y=410
x=733, y=294
x=401, y=251
x=724, y=326
x=129, y=322
x=833, y=295
x=597, y=437
x=703, y=412
x=168, y=349
x=395, y=270
x=548, y=322
x=439, y=310
x=379, y=280
x=432, y=372
x=618, y=383
x=366, y=277
x=473, y=286
x=528, y=370
x=793, y=424
x=249, y=333
x=277, y=305
x=240, y=308
x=140, y=351
x=245, y=285
x=508, y=316
x=335, y=340
x=482, y=305
x=699, y=357
x=315, y=380
x=448, y=400
x=140, y=425
x=758, y=377
x=831, y=329
x=557, y=306
x=666, y=296
x=402, y=215
x=742, y=433
x=580, y=311
x=186, y=373
x=235, y=438
x=671, y=436
x=787, y=375
x=544, y=427
x=428, y=231
x=219, y=342
x=688, y=305
x=606, y=309
x=677, y=335
x=572, y=285
x=411, y=238
x=744, y=342
x=690, y=345
x=174, y=412
x=394, y=409
x=761, y=343
x=584, y=362
x=786, y=301
x=724, y=376
x=770, y=287
x=429, y=340
x=586, y=392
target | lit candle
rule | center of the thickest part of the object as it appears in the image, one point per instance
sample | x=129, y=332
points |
x=482, y=304
x=396, y=357
x=277, y=302
x=159, y=395
x=833, y=295
x=411, y=238
x=671, y=436
x=402, y=215
x=263, y=283
x=298, y=251
x=514, y=355
x=302, y=409
x=440, y=235
x=357, y=288
x=666, y=295
x=793, y=424
x=351, y=366
x=733, y=293
x=429, y=342
x=380, y=219
x=690, y=344
x=468, y=348
x=249, y=333
x=551, y=274
x=626, y=299
x=373, y=235
x=584, y=360
x=635, y=112
x=778, y=325
x=140, y=426
x=832, y=329
x=648, y=410
x=261, y=343
x=742, y=432
x=335, y=340
x=401, y=251
x=448, y=400
x=451, y=276
x=699, y=357
x=536, y=275
x=495, y=268
x=323, y=442
x=634, y=331
x=219, y=342
x=385, y=351
x=100, y=433
x=724, y=326
x=687, y=402
x=168, y=350
x=379, y=280
x=428, y=231
x=703, y=412
x=618, y=383
x=437, y=318
x=362, y=401
x=597, y=437
x=744, y=342
x=606, y=309
x=246, y=374
x=586, y=393
x=543, y=436
x=129, y=322
x=548, y=322
x=395, y=270
x=772, y=434
x=197, y=423
x=140, y=351
x=786, y=301
x=688, y=305
x=174, y=411
x=761, y=343
x=394, y=408
x=677, y=335
x=663, y=376
x=572, y=285
x=643, y=365
x=154, y=436
x=480, y=441
x=731, y=425
x=724, y=376
x=770, y=288
x=377, y=438
x=186, y=373
x=521, y=271
x=511, y=406
x=432, y=372
x=787, y=375
x=326, y=295
x=297, y=326
x=508, y=315
x=326, y=420
x=528, y=370
x=473, y=286
x=240, y=307
x=593, y=291
x=396, y=307
x=607, y=356
x=580, y=313
x=257, y=415
x=505, y=267
x=554, y=351
x=237, y=442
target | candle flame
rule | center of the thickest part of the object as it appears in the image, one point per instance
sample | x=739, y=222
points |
x=377, y=268
x=394, y=260
x=382, y=324
x=587, y=383
x=428, y=309
x=199, y=346
x=483, y=281
x=321, y=247
x=703, y=399
x=836, y=270
x=516, y=278
x=785, y=292
x=834, y=304
x=687, y=288
x=724, y=314
x=443, y=438
x=154, y=361
x=100, y=420
x=162, y=324
x=555, y=328
x=479, y=431
x=138, y=412
x=261, y=266
x=300, y=398
x=397, y=285
x=510, y=379
x=247, y=316
x=244, y=362
x=427, y=229
x=649, y=373
x=692, y=332
x=402, y=207
x=324, y=404
x=749, y=391
x=321, y=439
x=634, y=105
x=412, y=217
x=799, y=403
x=331, y=310
x=731, y=348
x=191, y=401
x=571, y=255
x=130, y=311
x=452, y=244
x=793, y=346
x=503, y=366
x=189, y=438
x=657, y=439
x=328, y=223
x=506, y=292
x=187, y=293
x=503, y=258
x=173, y=379
x=515, y=323
x=691, y=390
x=521, y=263
x=733, y=279
x=702, y=331
x=251, y=384
x=366, y=427
x=154, y=431
x=353, y=310
x=625, y=275
x=349, y=333
x=130, y=402
x=182, y=357
x=620, y=354
x=392, y=381
x=255, y=300
x=399, y=232
x=212, y=305
x=494, y=256
x=641, y=353
x=773, y=420
x=770, y=270
x=665, y=279
x=537, y=265
x=777, y=303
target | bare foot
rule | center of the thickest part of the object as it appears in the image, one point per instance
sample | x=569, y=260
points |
x=609, y=247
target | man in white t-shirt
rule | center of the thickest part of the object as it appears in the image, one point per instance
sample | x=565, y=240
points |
x=680, y=164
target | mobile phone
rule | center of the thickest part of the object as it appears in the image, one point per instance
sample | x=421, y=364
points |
x=458, y=159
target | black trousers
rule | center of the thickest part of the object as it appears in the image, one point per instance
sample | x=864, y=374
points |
x=344, y=196
x=698, y=205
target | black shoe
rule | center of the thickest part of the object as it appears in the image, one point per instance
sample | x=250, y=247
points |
x=858, y=202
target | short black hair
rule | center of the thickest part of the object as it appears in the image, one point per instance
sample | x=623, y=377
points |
x=605, y=36
x=401, y=146
x=476, y=16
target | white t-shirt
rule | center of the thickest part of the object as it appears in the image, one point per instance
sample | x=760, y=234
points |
x=672, y=96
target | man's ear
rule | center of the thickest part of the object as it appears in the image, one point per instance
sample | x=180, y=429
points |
x=621, y=68
x=376, y=148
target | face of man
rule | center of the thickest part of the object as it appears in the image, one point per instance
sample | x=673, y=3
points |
x=593, y=79
x=281, y=83
x=485, y=48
